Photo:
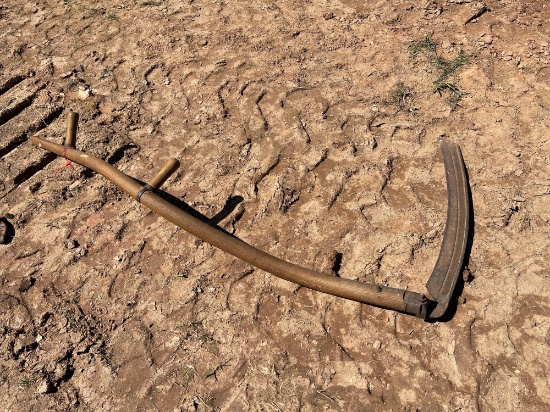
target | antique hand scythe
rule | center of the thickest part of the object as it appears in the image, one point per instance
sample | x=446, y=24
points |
x=440, y=285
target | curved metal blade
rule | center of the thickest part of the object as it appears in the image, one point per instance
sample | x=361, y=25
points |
x=449, y=263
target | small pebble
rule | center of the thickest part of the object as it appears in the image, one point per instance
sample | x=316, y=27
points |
x=75, y=184
x=66, y=74
x=368, y=202
x=71, y=244
x=487, y=39
x=45, y=387
x=83, y=93
x=80, y=251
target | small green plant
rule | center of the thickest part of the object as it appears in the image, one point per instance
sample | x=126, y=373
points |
x=449, y=67
x=109, y=359
x=401, y=94
x=74, y=191
x=425, y=43
x=454, y=99
x=441, y=85
x=112, y=16
x=447, y=70
x=93, y=11
x=25, y=383
x=151, y=3
x=206, y=337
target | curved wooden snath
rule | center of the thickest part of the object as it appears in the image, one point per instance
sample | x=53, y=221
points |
x=382, y=296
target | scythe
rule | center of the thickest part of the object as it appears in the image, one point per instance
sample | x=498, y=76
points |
x=441, y=283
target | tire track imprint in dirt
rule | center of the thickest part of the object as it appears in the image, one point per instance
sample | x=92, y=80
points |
x=257, y=103
x=11, y=81
x=17, y=131
x=26, y=107
x=225, y=112
x=18, y=98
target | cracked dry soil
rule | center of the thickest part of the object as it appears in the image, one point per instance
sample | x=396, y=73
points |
x=293, y=137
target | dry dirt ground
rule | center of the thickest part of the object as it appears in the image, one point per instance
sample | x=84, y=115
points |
x=306, y=129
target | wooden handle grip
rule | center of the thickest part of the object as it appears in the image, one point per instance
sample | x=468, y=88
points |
x=167, y=170
x=72, y=126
